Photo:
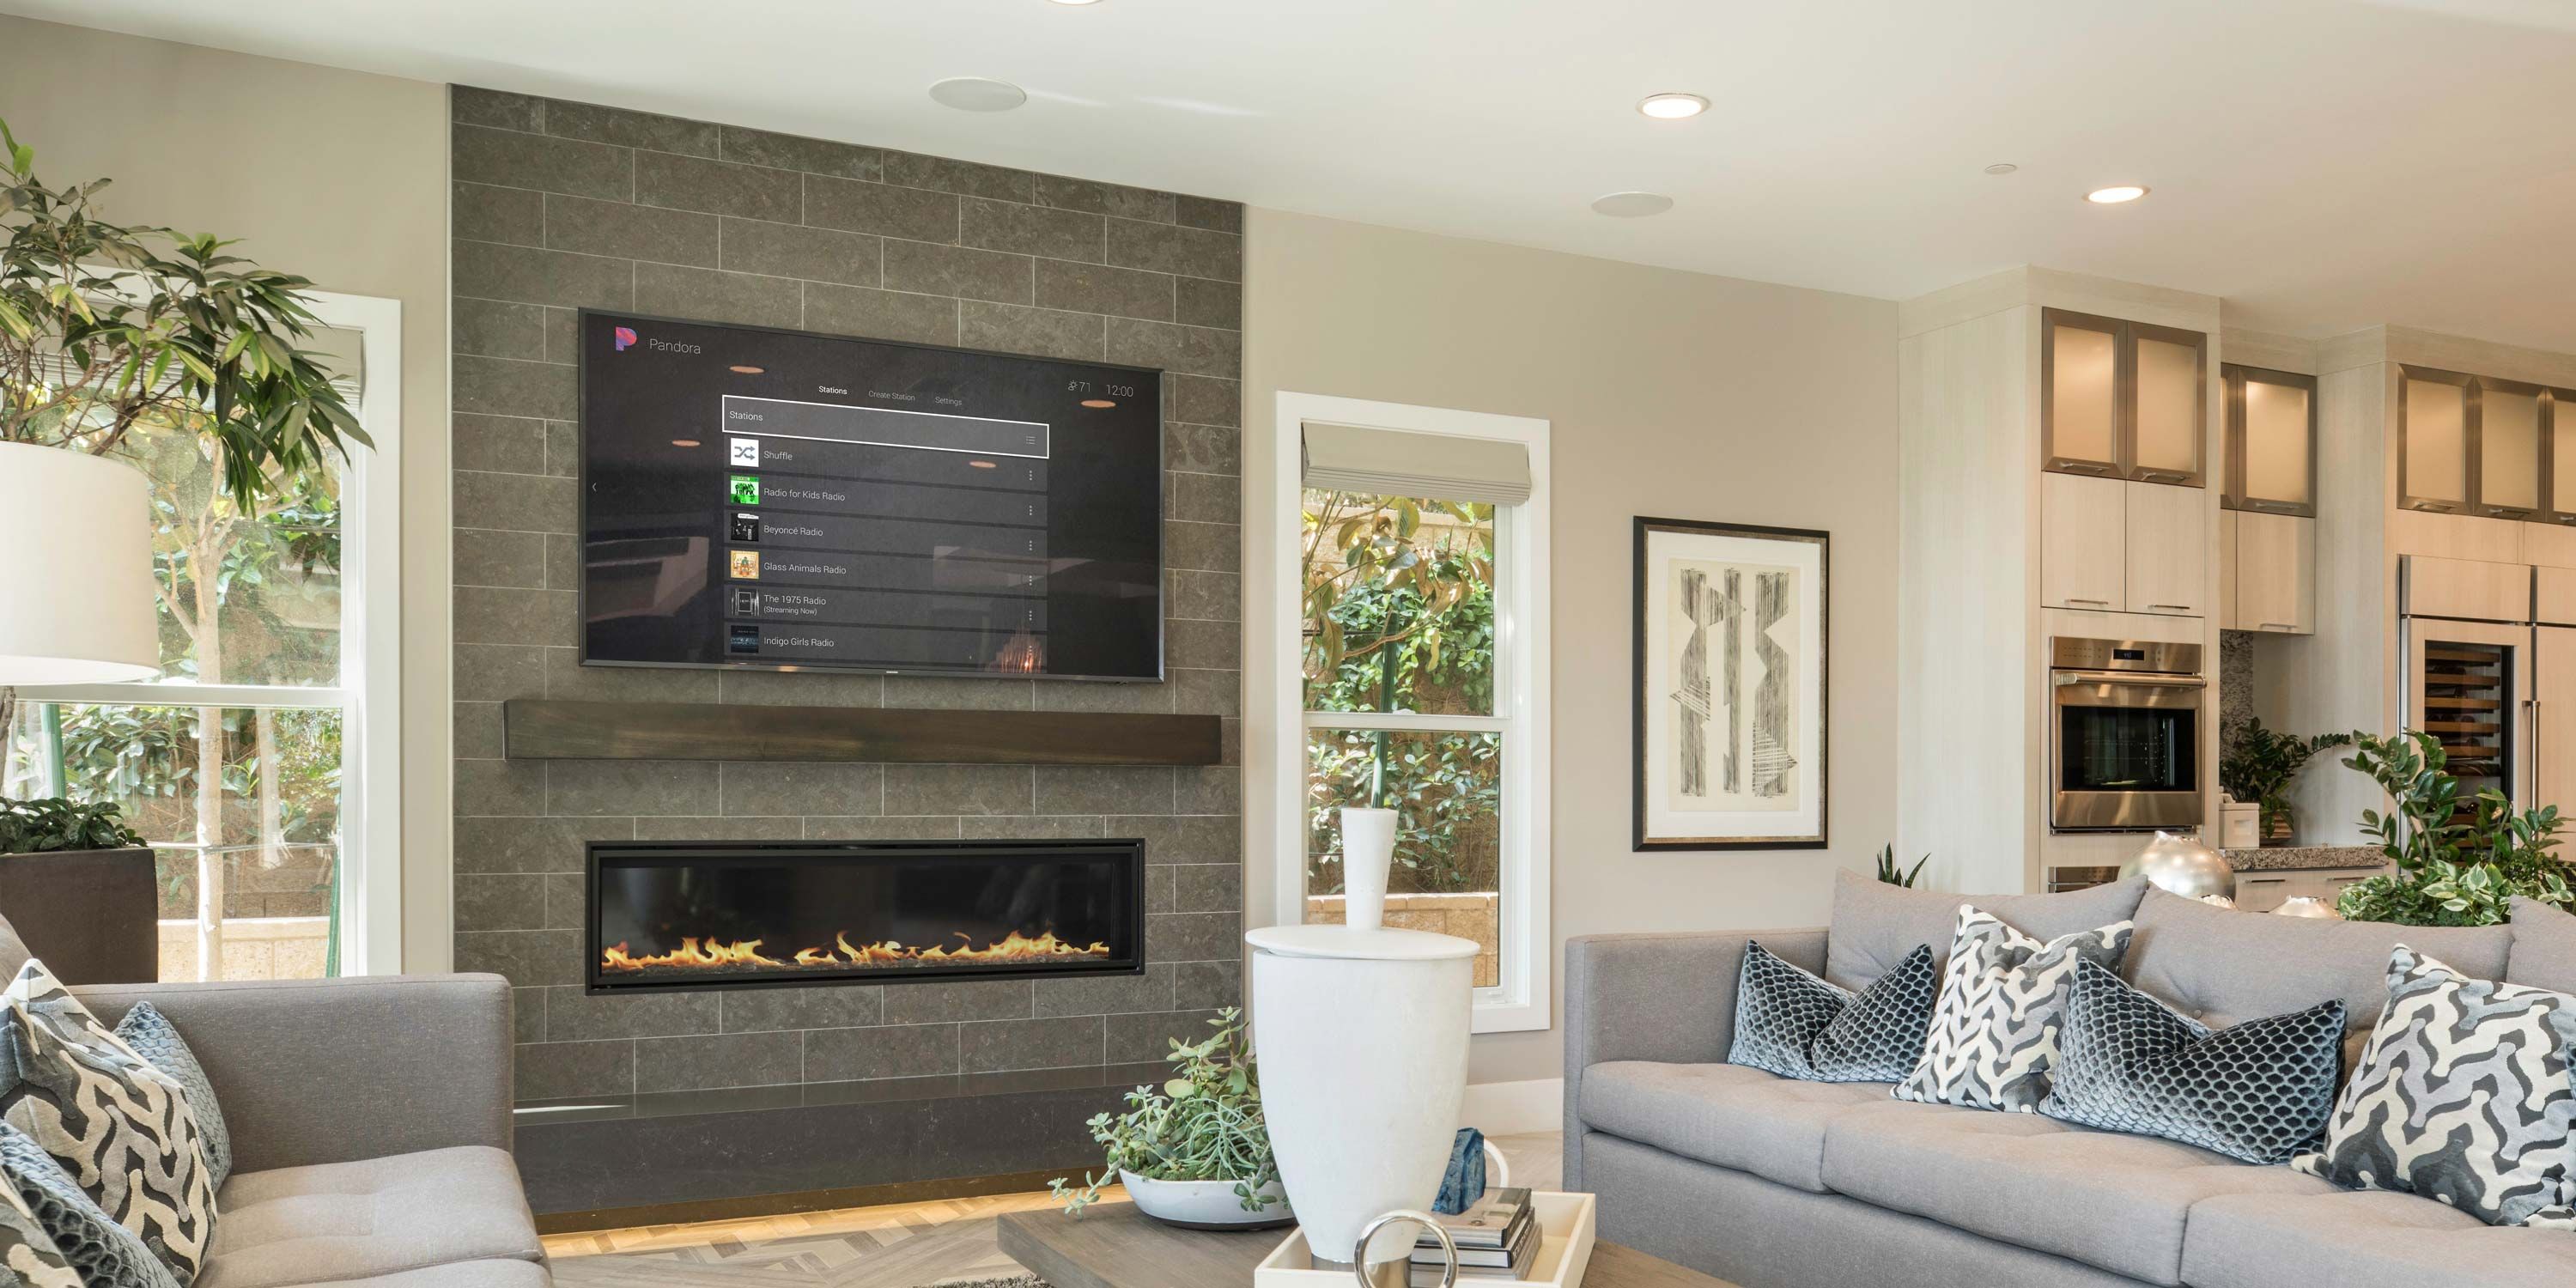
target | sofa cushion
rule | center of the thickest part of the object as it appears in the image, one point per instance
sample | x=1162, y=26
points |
x=1994, y=1034
x=378, y=1216
x=2113, y=1201
x=1798, y=1026
x=1876, y=924
x=2221, y=966
x=2462, y=1096
x=2544, y=947
x=2364, y=1240
x=493, y=1273
x=1726, y=1114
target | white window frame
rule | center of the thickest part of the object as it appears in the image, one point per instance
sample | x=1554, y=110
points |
x=1520, y=1001
x=369, y=694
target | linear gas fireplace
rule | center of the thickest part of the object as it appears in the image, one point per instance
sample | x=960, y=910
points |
x=687, y=915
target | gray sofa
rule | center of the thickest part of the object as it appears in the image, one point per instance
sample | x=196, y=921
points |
x=370, y=1121
x=1775, y=1183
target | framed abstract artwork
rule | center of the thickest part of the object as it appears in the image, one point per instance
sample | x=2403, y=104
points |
x=1730, y=686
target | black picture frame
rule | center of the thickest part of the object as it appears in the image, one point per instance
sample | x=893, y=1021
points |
x=1642, y=837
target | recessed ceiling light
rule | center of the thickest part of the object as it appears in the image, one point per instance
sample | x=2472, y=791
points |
x=978, y=94
x=1672, y=107
x=2115, y=194
x=2002, y=167
x=1631, y=205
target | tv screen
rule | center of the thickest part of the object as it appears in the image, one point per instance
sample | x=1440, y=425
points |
x=756, y=498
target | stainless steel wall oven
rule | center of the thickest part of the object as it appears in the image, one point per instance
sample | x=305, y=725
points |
x=2124, y=728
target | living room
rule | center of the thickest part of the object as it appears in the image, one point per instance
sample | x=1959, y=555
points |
x=923, y=645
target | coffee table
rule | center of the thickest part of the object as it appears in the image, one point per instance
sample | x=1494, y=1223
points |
x=1112, y=1245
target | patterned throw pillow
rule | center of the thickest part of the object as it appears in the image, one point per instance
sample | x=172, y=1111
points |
x=105, y=1254
x=2463, y=1095
x=1994, y=1033
x=1798, y=1026
x=119, y=1127
x=2260, y=1091
x=151, y=1035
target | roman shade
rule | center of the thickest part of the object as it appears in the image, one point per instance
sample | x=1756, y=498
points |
x=1393, y=462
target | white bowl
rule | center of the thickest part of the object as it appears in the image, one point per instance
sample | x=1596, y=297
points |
x=1205, y=1205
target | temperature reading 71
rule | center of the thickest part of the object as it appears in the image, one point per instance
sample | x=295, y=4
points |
x=1114, y=391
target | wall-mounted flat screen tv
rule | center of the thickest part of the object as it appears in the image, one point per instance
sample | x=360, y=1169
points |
x=779, y=500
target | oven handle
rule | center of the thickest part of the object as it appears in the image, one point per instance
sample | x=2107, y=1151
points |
x=2129, y=677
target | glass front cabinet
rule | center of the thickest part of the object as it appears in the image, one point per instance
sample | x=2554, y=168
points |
x=2478, y=445
x=2271, y=441
x=2124, y=400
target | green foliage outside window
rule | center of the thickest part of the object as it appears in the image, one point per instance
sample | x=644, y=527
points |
x=1399, y=611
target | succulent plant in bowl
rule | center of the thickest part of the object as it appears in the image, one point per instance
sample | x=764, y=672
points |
x=1195, y=1151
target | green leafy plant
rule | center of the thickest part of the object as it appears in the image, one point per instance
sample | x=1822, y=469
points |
x=1896, y=874
x=1203, y=1124
x=51, y=824
x=106, y=328
x=2460, y=858
x=2259, y=768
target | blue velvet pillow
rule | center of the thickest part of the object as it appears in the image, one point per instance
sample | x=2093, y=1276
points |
x=149, y=1032
x=1793, y=1024
x=105, y=1254
x=2260, y=1091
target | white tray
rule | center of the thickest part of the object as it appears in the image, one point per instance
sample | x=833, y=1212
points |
x=1565, y=1222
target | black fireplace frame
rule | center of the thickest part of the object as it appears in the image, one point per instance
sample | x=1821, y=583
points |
x=1132, y=850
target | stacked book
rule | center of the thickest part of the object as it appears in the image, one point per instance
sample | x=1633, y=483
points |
x=1497, y=1238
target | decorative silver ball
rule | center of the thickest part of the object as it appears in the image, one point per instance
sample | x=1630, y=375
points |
x=2179, y=864
x=2307, y=906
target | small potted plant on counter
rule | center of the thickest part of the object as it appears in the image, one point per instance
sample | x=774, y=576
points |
x=78, y=885
x=2258, y=771
x=1194, y=1152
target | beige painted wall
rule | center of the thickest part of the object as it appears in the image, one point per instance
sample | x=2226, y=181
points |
x=1671, y=394
x=338, y=176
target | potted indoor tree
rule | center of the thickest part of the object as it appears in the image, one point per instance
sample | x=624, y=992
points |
x=110, y=334
x=78, y=886
x=1194, y=1152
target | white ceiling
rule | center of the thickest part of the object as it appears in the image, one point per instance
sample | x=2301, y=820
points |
x=2323, y=164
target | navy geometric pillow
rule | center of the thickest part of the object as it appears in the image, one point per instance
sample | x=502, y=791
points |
x=2260, y=1091
x=150, y=1033
x=1793, y=1024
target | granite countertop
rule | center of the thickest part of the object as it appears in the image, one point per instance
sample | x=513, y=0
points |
x=2290, y=858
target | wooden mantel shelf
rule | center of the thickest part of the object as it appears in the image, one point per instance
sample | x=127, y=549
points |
x=540, y=729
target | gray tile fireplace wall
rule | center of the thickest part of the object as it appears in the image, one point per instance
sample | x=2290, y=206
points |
x=561, y=205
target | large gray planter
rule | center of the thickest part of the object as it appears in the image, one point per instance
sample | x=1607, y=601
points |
x=92, y=916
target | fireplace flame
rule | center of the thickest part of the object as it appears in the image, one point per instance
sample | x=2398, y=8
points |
x=711, y=955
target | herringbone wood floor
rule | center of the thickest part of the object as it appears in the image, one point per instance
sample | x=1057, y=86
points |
x=902, y=1245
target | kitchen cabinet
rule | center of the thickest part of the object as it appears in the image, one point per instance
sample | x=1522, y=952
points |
x=2508, y=448
x=2083, y=540
x=2228, y=618
x=2165, y=559
x=2123, y=400
x=2276, y=574
x=2553, y=718
x=2267, y=889
x=2433, y=440
x=2271, y=441
x=2558, y=456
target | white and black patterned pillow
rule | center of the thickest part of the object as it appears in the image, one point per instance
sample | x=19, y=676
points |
x=1798, y=1026
x=1994, y=1033
x=2464, y=1095
x=118, y=1126
x=103, y=1253
x=2260, y=1091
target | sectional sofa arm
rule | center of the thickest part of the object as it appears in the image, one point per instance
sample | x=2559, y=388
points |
x=1662, y=997
x=330, y=1070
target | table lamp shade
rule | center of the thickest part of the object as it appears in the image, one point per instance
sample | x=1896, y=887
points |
x=76, y=598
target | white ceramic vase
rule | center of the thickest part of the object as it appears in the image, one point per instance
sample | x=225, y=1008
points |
x=1368, y=849
x=1363, y=1042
